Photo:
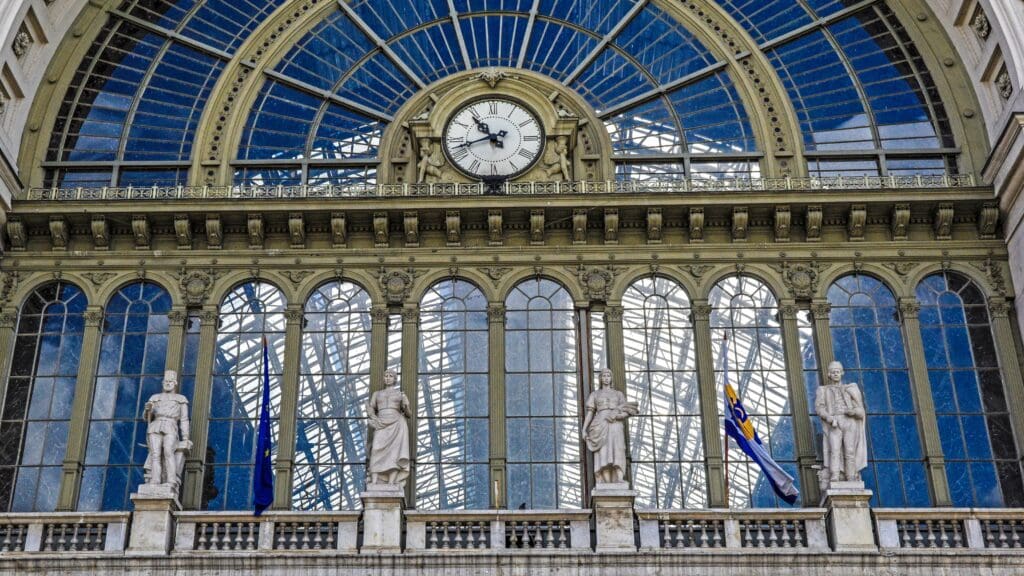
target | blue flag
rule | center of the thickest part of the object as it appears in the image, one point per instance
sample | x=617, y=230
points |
x=263, y=476
x=739, y=427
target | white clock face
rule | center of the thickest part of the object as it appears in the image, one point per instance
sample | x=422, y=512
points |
x=493, y=138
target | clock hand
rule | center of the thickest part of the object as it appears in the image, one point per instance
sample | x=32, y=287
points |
x=494, y=138
x=471, y=142
x=481, y=126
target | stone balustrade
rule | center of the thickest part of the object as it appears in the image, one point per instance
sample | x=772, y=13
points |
x=949, y=528
x=498, y=530
x=784, y=530
x=101, y=532
x=285, y=531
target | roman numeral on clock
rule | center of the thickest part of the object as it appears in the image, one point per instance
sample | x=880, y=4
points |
x=492, y=107
x=530, y=137
x=528, y=154
x=474, y=166
x=459, y=154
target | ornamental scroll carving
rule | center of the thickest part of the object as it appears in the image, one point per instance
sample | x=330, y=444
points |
x=397, y=284
x=196, y=285
x=596, y=282
x=800, y=278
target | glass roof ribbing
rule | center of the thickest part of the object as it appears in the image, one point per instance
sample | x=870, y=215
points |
x=864, y=99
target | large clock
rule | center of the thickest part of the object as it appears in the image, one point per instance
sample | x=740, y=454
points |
x=493, y=138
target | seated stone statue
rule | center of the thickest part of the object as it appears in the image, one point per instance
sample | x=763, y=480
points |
x=841, y=409
x=389, y=451
x=167, y=435
x=603, y=428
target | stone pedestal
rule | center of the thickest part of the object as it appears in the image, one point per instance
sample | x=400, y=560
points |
x=152, y=530
x=613, y=513
x=849, y=517
x=382, y=518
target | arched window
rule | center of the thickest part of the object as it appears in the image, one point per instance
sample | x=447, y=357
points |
x=334, y=387
x=542, y=397
x=249, y=313
x=37, y=404
x=974, y=424
x=452, y=436
x=866, y=338
x=745, y=310
x=665, y=440
x=131, y=369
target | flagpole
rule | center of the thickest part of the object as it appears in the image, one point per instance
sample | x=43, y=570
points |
x=725, y=374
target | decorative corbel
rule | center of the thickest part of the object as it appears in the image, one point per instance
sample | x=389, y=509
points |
x=100, y=232
x=381, y=237
x=411, y=224
x=214, y=232
x=943, y=223
x=812, y=223
x=494, y=224
x=611, y=225
x=988, y=220
x=783, y=223
x=696, y=225
x=297, y=230
x=339, y=232
x=857, y=222
x=453, y=228
x=16, y=234
x=537, y=226
x=900, y=224
x=58, y=233
x=579, y=226
x=740, y=222
x=255, y=229
x=654, y=226
x=183, y=231
x=141, y=231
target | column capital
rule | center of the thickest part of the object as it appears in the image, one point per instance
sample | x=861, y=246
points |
x=701, y=310
x=821, y=309
x=177, y=316
x=294, y=314
x=8, y=317
x=496, y=313
x=788, y=310
x=379, y=314
x=411, y=314
x=613, y=313
x=209, y=314
x=999, y=307
x=93, y=316
x=910, y=308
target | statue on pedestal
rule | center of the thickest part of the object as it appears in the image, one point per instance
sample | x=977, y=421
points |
x=841, y=409
x=607, y=409
x=389, y=452
x=167, y=434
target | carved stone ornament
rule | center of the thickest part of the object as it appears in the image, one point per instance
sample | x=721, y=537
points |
x=696, y=224
x=789, y=311
x=697, y=270
x=380, y=229
x=537, y=226
x=943, y=222
x=9, y=280
x=411, y=225
x=801, y=278
x=740, y=223
x=183, y=231
x=397, y=284
x=1003, y=84
x=339, y=232
x=58, y=233
x=910, y=308
x=579, y=226
x=812, y=223
x=783, y=223
x=901, y=268
x=596, y=282
x=100, y=232
x=297, y=276
x=494, y=225
x=16, y=233
x=214, y=232
x=453, y=227
x=379, y=314
x=900, y=223
x=654, y=225
x=980, y=24
x=297, y=230
x=8, y=319
x=99, y=278
x=611, y=225
x=857, y=221
x=196, y=285
x=294, y=315
x=821, y=310
x=701, y=312
x=496, y=313
x=177, y=317
x=999, y=308
x=492, y=76
x=141, y=231
x=22, y=42
x=496, y=273
x=93, y=318
x=988, y=220
x=993, y=273
x=254, y=227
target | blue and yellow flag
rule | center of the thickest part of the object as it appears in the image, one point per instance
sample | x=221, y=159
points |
x=263, y=476
x=739, y=427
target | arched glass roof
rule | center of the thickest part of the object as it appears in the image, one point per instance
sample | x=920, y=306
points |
x=863, y=97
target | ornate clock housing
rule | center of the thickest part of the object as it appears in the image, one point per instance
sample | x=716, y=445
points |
x=493, y=138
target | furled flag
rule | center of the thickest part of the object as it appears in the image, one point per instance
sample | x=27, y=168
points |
x=739, y=427
x=263, y=477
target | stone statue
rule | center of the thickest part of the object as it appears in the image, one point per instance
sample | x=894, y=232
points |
x=556, y=159
x=167, y=434
x=841, y=409
x=389, y=452
x=429, y=166
x=607, y=409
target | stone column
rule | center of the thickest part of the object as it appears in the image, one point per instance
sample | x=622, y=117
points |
x=81, y=407
x=616, y=346
x=496, y=377
x=803, y=431
x=378, y=347
x=177, y=318
x=8, y=324
x=410, y=377
x=289, y=402
x=820, y=311
x=709, y=399
x=382, y=518
x=1009, y=364
x=195, y=465
x=849, y=517
x=935, y=463
x=613, y=516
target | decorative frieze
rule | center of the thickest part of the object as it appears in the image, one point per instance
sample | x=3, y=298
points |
x=453, y=228
x=579, y=226
x=183, y=231
x=696, y=224
x=100, y=232
x=900, y=221
x=297, y=230
x=611, y=225
x=654, y=226
x=943, y=221
x=141, y=231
